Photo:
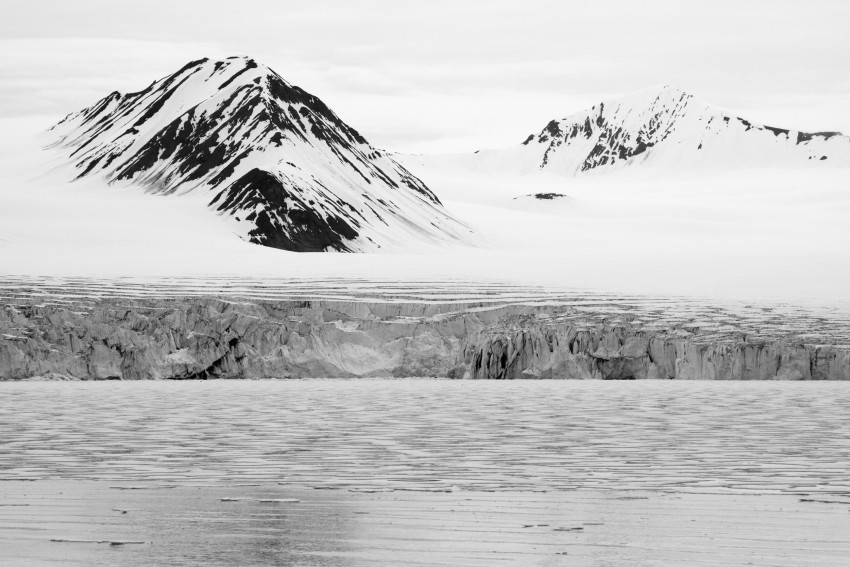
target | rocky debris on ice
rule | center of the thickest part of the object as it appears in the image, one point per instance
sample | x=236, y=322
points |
x=543, y=197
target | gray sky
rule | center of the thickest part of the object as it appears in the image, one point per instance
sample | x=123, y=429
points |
x=446, y=75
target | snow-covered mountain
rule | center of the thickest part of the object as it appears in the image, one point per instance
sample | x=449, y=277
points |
x=273, y=158
x=665, y=126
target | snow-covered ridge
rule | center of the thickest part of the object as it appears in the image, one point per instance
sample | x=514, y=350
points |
x=274, y=159
x=667, y=127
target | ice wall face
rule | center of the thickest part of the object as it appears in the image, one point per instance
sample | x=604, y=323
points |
x=624, y=353
x=270, y=157
x=208, y=337
x=668, y=127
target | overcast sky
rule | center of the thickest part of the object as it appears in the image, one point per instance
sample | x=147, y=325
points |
x=446, y=75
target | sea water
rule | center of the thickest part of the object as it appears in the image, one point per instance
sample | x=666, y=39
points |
x=434, y=472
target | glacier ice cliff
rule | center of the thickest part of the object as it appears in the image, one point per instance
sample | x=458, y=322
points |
x=209, y=336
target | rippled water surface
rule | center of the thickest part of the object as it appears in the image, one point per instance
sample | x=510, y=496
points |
x=424, y=472
x=435, y=435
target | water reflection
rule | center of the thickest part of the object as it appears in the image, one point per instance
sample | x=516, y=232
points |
x=62, y=521
x=84, y=523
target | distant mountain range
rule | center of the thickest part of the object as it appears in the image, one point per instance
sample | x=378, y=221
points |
x=664, y=126
x=288, y=173
x=274, y=159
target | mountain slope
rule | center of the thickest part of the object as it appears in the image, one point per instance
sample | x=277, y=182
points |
x=666, y=127
x=274, y=159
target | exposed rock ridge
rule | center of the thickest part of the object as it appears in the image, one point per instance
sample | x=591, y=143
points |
x=667, y=126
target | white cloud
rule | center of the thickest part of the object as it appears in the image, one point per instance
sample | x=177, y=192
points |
x=445, y=74
x=61, y=75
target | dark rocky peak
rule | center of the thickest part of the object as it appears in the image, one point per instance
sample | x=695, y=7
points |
x=276, y=160
x=669, y=126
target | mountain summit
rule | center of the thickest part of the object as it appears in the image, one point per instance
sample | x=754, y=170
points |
x=274, y=159
x=669, y=127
